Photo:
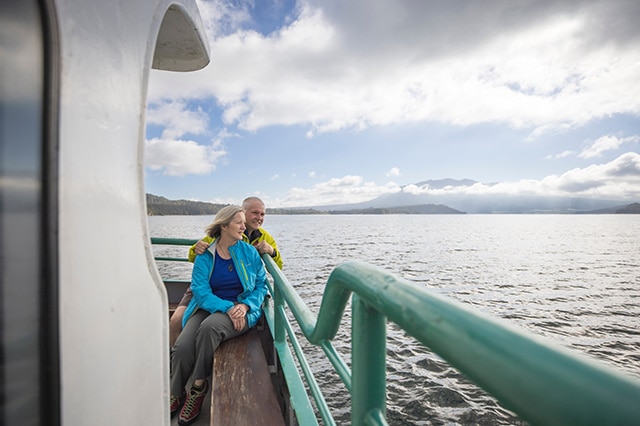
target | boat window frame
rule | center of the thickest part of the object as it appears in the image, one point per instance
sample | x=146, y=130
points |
x=29, y=360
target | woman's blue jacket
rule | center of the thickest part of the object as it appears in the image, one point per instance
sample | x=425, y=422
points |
x=250, y=270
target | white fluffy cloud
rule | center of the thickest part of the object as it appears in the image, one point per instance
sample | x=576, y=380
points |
x=543, y=65
x=617, y=179
x=539, y=66
x=348, y=189
x=394, y=171
x=178, y=157
x=606, y=143
x=177, y=120
x=171, y=153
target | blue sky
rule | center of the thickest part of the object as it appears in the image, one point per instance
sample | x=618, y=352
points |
x=322, y=102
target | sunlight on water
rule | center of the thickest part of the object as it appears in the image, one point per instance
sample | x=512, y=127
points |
x=574, y=279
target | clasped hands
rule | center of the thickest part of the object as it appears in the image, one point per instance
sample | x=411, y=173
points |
x=238, y=315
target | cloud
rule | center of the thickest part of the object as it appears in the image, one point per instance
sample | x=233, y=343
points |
x=617, y=179
x=179, y=158
x=606, y=143
x=222, y=18
x=171, y=153
x=542, y=65
x=545, y=67
x=348, y=189
x=176, y=157
x=563, y=154
x=176, y=119
x=394, y=171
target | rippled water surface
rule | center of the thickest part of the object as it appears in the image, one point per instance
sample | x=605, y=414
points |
x=574, y=279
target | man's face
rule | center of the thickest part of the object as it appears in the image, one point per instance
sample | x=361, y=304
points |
x=255, y=216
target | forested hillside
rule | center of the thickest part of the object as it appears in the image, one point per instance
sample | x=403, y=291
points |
x=160, y=206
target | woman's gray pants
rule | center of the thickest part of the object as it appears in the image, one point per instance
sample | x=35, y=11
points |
x=192, y=354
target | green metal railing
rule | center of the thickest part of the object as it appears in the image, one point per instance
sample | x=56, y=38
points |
x=541, y=382
x=173, y=242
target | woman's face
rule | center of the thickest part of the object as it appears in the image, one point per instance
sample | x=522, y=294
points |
x=235, y=228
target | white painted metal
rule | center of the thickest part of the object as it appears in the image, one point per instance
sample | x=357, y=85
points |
x=113, y=316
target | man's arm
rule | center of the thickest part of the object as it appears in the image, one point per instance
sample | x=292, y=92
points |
x=192, y=250
x=275, y=253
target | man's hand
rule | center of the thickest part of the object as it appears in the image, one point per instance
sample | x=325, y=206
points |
x=201, y=247
x=264, y=247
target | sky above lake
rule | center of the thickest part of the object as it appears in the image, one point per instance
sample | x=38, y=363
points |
x=320, y=102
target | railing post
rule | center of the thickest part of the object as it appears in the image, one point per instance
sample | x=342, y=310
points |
x=368, y=361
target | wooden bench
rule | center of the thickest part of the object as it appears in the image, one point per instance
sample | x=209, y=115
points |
x=242, y=392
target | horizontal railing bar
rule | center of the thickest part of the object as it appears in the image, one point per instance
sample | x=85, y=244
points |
x=171, y=259
x=173, y=241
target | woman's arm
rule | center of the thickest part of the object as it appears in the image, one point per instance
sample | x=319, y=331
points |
x=255, y=298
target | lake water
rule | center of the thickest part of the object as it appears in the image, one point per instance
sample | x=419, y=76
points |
x=574, y=279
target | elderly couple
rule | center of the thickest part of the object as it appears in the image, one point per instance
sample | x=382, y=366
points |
x=228, y=286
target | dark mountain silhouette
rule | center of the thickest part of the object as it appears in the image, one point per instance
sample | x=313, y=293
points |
x=419, y=209
x=482, y=203
x=633, y=208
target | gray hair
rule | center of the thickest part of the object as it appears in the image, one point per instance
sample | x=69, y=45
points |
x=247, y=202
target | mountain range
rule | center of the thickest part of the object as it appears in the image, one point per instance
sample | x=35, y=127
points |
x=446, y=195
x=446, y=201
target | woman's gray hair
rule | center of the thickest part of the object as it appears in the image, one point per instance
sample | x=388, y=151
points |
x=223, y=217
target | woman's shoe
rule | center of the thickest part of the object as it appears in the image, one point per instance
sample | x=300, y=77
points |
x=191, y=408
x=175, y=404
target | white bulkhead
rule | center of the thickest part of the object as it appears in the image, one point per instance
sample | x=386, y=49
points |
x=113, y=310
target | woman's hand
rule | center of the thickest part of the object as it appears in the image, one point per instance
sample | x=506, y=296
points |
x=238, y=315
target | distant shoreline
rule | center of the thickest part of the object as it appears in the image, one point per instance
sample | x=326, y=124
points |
x=161, y=206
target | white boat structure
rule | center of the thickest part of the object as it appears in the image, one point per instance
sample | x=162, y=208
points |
x=84, y=311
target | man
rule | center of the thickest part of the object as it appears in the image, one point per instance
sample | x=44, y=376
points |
x=254, y=234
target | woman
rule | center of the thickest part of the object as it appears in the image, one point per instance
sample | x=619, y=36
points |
x=229, y=284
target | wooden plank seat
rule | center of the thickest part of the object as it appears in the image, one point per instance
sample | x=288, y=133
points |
x=242, y=390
